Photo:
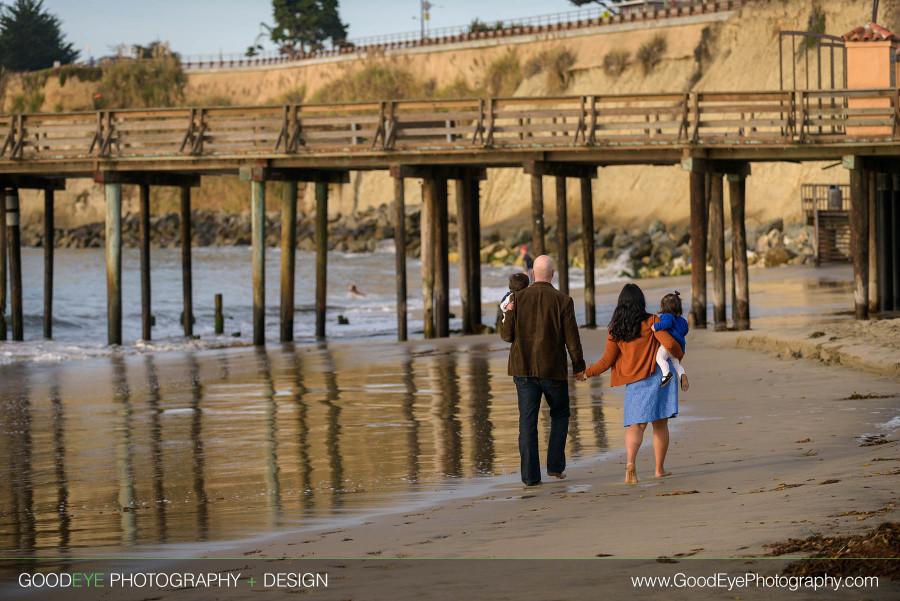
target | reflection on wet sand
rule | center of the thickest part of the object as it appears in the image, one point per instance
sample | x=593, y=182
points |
x=209, y=446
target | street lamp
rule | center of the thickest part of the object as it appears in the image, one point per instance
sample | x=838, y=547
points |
x=424, y=7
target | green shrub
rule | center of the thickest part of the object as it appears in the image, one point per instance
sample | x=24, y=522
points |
x=503, y=76
x=615, y=62
x=651, y=52
x=32, y=97
x=145, y=83
x=556, y=65
x=376, y=81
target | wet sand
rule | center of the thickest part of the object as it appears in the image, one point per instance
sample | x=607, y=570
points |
x=765, y=448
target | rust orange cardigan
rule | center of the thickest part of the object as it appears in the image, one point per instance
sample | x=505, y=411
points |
x=635, y=360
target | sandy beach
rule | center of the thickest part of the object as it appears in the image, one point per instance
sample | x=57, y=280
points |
x=764, y=449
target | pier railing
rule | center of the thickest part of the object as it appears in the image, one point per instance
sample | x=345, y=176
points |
x=642, y=120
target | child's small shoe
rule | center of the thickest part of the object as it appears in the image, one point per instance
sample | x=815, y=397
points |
x=684, y=382
x=666, y=379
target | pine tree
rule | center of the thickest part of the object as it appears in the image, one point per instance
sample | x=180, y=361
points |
x=30, y=38
x=304, y=25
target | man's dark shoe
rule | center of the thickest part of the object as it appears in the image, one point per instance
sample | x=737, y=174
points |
x=538, y=483
x=557, y=475
x=666, y=379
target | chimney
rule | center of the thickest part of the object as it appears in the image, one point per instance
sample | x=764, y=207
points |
x=869, y=52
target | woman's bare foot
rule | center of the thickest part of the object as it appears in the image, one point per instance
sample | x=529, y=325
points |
x=663, y=474
x=630, y=475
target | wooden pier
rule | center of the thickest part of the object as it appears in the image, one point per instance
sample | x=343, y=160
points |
x=709, y=135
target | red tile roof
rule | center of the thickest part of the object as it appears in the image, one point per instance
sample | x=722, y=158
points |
x=871, y=32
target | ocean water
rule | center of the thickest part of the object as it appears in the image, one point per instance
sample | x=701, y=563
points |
x=79, y=325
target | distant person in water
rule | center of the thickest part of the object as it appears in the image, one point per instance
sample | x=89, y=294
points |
x=525, y=258
x=354, y=291
x=671, y=321
x=517, y=283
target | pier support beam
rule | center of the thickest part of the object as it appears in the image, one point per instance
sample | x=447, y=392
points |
x=871, y=188
x=740, y=281
x=114, y=263
x=258, y=243
x=426, y=253
x=4, y=277
x=717, y=250
x=464, y=250
x=441, y=261
x=698, y=249
x=562, y=235
x=884, y=242
x=288, y=258
x=13, y=238
x=587, y=241
x=473, y=184
x=187, y=285
x=48, y=263
x=895, y=236
x=321, y=256
x=146, y=311
x=859, y=233
x=400, y=256
x=537, y=215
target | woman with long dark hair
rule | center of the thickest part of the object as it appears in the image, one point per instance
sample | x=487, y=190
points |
x=631, y=347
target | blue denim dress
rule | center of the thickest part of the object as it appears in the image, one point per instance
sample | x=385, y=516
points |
x=645, y=401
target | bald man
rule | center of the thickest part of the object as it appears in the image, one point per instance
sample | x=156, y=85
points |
x=540, y=324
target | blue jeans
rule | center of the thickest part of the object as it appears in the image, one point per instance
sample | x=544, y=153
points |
x=530, y=391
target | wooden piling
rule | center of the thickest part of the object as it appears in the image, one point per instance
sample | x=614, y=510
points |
x=258, y=241
x=146, y=314
x=114, y=263
x=884, y=242
x=717, y=250
x=587, y=241
x=400, y=256
x=474, y=261
x=219, y=316
x=13, y=238
x=562, y=235
x=48, y=263
x=3, y=266
x=187, y=285
x=859, y=241
x=427, y=254
x=537, y=216
x=895, y=236
x=698, y=249
x=740, y=308
x=463, y=246
x=288, y=257
x=871, y=193
x=441, y=261
x=321, y=256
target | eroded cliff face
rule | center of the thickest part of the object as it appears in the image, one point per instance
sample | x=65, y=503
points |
x=732, y=52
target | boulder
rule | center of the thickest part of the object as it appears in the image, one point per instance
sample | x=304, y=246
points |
x=656, y=226
x=776, y=256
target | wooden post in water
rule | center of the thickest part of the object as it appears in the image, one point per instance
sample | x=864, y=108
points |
x=464, y=248
x=3, y=265
x=220, y=317
x=114, y=263
x=146, y=314
x=874, y=288
x=884, y=243
x=698, y=249
x=587, y=241
x=562, y=235
x=474, y=260
x=859, y=240
x=13, y=238
x=48, y=263
x=187, y=286
x=427, y=253
x=258, y=241
x=537, y=215
x=717, y=242
x=895, y=236
x=441, y=261
x=321, y=256
x=400, y=256
x=740, y=309
x=288, y=257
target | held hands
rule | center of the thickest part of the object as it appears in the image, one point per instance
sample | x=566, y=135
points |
x=580, y=376
x=511, y=305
